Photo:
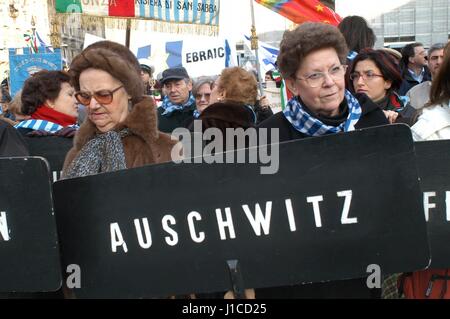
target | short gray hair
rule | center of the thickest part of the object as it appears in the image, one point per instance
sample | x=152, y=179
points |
x=201, y=81
x=435, y=47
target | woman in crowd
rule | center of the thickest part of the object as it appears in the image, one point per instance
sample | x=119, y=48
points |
x=121, y=129
x=375, y=73
x=233, y=96
x=48, y=98
x=202, y=92
x=433, y=124
x=358, y=35
x=312, y=61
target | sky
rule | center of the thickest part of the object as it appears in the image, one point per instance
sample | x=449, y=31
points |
x=235, y=15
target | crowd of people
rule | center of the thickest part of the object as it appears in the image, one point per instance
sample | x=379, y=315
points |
x=339, y=83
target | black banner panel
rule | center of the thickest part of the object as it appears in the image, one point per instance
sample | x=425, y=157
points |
x=433, y=161
x=337, y=206
x=29, y=252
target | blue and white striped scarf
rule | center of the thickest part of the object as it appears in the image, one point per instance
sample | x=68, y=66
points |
x=39, y=125
x=42, y=125
x=196, y=114
x=169, y=107
x=311, y=126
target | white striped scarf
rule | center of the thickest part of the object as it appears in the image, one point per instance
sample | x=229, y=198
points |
x=41, y=125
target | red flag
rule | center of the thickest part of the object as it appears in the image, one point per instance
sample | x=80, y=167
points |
x=299, y=11
x=121, y=8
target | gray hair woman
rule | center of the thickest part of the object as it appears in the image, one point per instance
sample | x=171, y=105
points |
x=121, y=127
x=312, y=62
x=202, y=92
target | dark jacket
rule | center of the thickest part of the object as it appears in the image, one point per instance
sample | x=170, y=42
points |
x=227, y=114
x=372, y=115
x=262, y=113
x=409, y=82
x=11, y=142
x=392, y=102
x=223, y=115
x=167, y=123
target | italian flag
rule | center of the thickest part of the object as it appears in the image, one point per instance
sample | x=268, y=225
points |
x=116, y=8
x=285, y=94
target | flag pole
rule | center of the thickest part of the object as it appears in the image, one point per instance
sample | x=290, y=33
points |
x=128, y=33
x=254, y=46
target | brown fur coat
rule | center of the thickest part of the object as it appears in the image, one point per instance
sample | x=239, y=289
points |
x=146, y=145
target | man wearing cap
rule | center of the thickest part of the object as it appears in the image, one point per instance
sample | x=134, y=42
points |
x=147, y=71
x=419, y=95
x=179, y=104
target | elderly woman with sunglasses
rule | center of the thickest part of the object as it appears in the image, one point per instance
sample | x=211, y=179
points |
x=311, y=61
x=376, y=73
x=121, y=128
x=202, y=91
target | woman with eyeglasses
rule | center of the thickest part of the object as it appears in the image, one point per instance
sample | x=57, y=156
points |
x=231, y=101
x=202, y=91
x=120, y=130
x=48, y=98
x=376, y=74
x=311, y=61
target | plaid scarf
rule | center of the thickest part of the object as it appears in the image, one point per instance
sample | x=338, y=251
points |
x=311, y=126
x=169, y=107
x=103, y=153
x=196, y=114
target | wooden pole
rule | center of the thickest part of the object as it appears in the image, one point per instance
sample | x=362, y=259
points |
x=128, y=34
x=254, y=46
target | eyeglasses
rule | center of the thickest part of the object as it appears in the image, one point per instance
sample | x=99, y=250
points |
x=318, y=78
x=367, y=76
x=102, y=96
x=200, y=96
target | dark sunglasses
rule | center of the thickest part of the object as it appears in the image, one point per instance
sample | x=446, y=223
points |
x=102, y=96
x=199, y=96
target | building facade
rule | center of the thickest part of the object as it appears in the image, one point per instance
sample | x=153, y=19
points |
x=16, y=19
x=73, y=31
x=425, y=21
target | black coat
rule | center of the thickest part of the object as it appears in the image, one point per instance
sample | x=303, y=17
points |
x=167, y=123
x=11, y=142
x=408, y=81
x=372, y=115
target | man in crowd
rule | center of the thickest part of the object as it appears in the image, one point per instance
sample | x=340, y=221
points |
x=419, y=95
x=147, y=71
x=179, y=104
x=414, y=66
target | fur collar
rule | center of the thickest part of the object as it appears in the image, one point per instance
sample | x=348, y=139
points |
x=141, y=121
x=229, y=111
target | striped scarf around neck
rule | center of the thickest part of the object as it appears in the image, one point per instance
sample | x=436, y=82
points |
x=169, y=107
x=305, y=123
